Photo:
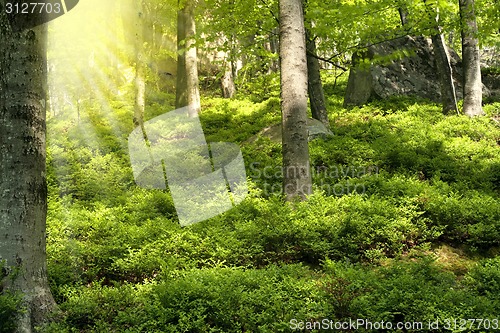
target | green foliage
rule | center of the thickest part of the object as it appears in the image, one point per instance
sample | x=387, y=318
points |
x=404, y=291
x=226, y=120
x=484, y=278
x=216, y=300
x=9, y=308
x=10, y=304
x=491, y=70
x=396, y=177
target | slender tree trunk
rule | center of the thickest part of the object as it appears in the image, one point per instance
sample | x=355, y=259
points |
x=227, y=82
x=448, y=95
x=274, y=47
x=187, y=90
x=314, y=85
x=23, y=188
x=296, y=168
x=473, y=87
x=140, y=84
x=403, y=13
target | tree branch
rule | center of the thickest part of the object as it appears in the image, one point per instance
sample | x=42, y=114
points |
x=271, y=11
x=326, y=60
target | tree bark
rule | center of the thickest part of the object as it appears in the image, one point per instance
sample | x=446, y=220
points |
x=448, y=94
x=359, y=84
x=23, y=189
x=227, y=82
x=314, y=85
x=442, y=56
x=296, y=168
x=403, y=13
x=187, y=90
x=140, y=84
x=473, y=87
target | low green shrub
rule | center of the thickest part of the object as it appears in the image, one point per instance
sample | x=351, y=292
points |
x=206, y=300
x=416, y=291
x=10, y=305
x=484, y=278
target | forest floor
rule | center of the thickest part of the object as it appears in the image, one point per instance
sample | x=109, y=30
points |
x=403, y=226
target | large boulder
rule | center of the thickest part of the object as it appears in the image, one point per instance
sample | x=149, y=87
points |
x=402, y=67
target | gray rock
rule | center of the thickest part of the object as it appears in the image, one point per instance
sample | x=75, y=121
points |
x=413, y=73
x=316, y=129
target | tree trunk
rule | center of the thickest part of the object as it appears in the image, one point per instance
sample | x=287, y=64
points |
x=140, y=84
x=473, y=87
x=274, y=47
x=359, y=84
x=227, y=82
x=296, y=169
x=403, y=13
x=314, y=85
x=23, y=189
x=448, y=95
x=187, y=90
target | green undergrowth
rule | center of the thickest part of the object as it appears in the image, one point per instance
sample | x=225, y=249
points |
x=396, y=179
x=10, y=304
x=280, y=298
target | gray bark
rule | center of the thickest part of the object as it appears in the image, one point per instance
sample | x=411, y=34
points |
x=227, y=82
x=448, y=94
x=23, y=189
x=274, y=48
x=471, y=60
x=314, y=84
x=359, y=84
x=293, y=62
x=140, y=84
x=403, y=13
x=187, y=90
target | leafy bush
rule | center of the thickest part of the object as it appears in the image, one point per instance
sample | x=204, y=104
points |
x=404, y=291
x=216, y=300
x=9, y=308
x=397, y=176
x=484, y=278
x=9, y=305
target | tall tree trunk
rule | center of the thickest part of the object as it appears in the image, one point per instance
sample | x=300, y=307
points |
x=314, y=85
x=403, y=13
x=296, y=168
x=140, y=84
x=274, y=47
x=23, y=188
x=448, y=95
x=187, y=90
x=227, y=81
x=470, y=53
